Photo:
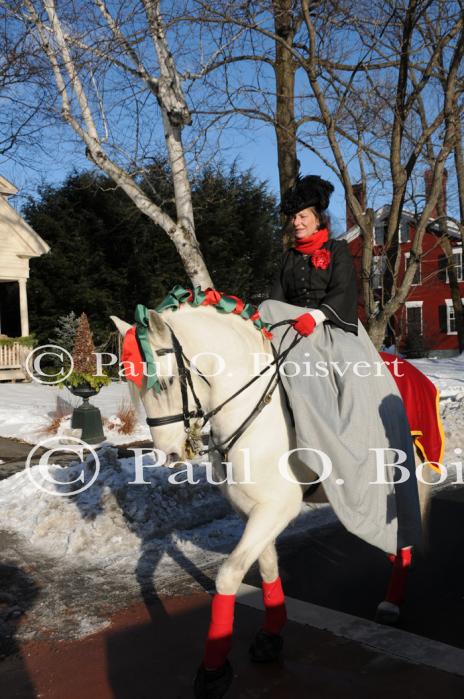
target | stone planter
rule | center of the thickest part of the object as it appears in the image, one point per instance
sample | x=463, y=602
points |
x=86, y=416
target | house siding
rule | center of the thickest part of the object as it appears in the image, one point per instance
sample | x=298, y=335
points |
x=433, y=291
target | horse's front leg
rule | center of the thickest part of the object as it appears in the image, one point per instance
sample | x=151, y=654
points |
x=265, y=523
x=268, y=642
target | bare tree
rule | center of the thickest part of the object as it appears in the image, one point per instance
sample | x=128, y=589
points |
x=115, y=77
x=18, y=127
x=430, y=32
x=366, y=68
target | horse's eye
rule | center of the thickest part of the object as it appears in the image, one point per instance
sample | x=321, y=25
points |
x=171, y=380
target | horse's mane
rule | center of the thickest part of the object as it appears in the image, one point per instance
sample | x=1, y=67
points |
x=240, y=325
x=182, y=300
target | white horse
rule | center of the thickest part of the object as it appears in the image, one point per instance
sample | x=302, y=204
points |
x=259, y=492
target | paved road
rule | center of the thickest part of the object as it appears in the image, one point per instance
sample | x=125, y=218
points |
x=152, y=653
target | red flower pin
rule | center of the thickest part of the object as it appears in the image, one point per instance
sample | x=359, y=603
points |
x=320, y=258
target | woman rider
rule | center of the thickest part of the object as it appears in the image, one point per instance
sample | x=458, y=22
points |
x=350, y=423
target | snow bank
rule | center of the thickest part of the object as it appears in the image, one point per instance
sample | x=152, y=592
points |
x=446, y=373
x=115, y=524
x=110, y=516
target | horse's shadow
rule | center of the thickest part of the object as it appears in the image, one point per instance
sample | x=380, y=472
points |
x=18, y=594
x=157, y=539
x=404, y=501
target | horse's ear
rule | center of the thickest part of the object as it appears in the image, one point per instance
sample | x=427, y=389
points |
x=121, y=325
x=158, y=328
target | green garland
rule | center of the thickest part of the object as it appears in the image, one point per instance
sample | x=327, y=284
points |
x=194, y=297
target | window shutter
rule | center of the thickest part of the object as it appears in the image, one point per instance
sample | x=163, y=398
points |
x=442, y=318
x=442, y=265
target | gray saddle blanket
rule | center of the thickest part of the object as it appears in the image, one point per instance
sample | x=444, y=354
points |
x=351, y=427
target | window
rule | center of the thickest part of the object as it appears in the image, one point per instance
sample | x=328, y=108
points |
x=450, y=319
x=414, y=317
x=379, y=233
x=457, y=261
x=379, y=265
x=418, y=275
x=404, y=231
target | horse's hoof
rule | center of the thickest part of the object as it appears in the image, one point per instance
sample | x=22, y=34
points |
x=387, y=613
x=213, y=684
x=266, y=647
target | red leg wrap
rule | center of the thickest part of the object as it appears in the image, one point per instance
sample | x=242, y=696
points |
x=396, y=592
x=274, y=603
x=219, y=638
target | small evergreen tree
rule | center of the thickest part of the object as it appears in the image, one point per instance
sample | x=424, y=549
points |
x=64, y=333
x=83, y=351
x=84, y=359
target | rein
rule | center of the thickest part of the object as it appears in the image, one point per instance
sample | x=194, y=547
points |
x=185, y=377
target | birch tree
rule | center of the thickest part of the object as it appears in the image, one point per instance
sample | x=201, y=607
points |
x=115, y=80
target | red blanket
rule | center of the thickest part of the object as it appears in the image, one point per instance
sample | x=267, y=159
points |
x=421, y=400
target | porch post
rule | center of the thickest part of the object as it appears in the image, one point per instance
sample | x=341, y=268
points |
x=23, y=307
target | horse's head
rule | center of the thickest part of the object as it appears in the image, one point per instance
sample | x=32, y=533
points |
x=170, y=437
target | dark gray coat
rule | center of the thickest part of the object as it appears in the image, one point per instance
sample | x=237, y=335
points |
x=332, y=290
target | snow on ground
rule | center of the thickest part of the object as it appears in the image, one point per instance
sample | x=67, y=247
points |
x=447, y=373
x=27, y=408
x=150, y=527
x=157, y=526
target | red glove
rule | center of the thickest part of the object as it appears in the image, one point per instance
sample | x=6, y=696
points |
x=304, y=324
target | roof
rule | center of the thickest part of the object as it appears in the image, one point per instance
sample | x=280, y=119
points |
x=16, y=235
x=382, y=213
x=6, y=188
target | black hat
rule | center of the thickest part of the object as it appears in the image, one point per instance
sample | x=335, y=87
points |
x=308, y=191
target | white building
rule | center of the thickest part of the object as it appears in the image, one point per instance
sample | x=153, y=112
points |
x=18, y=243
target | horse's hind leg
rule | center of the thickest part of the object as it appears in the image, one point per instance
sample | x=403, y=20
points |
x=265, y=523
x=388, y=611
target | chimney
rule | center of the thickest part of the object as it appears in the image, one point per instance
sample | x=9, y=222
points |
x=360, y=195
x=441, y=201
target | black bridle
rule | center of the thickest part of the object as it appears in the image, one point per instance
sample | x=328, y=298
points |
x=185, y=378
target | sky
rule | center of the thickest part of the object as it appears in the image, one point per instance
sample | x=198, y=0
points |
x=252, y=147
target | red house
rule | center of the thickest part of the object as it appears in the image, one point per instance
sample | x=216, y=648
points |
x=425, y=325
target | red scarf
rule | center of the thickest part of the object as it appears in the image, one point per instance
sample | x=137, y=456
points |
x=312, y=242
